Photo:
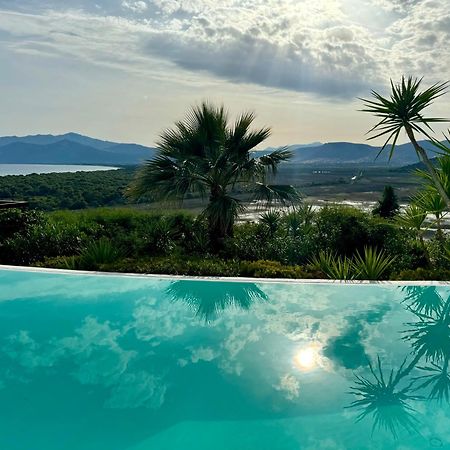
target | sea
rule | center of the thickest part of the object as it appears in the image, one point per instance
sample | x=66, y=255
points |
x=27, y=169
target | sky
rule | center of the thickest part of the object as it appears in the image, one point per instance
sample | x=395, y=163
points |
x=124, y=70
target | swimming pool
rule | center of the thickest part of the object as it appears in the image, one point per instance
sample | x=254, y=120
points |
x=139, y=363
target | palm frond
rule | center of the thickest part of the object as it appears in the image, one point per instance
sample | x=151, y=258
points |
x=277, y=193
x=274, y=159
x=404, y=107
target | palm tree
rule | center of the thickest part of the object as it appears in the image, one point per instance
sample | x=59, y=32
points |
x=430, y=201
x=413, y=218
x=207, y=306
x=207, y=155
x=404, y=110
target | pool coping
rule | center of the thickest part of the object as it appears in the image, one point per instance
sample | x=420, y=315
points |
x=219, y=278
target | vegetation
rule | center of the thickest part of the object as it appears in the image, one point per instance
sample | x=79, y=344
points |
x=404, y=110
x=334, y=242
x=77, y=190
x=388, y=206
x=205, y=154
x=209, y=157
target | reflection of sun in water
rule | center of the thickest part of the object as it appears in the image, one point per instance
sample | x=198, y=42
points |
x=306, y=358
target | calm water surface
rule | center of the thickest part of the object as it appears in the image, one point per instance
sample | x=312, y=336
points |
x=106, y=362
x=27, y=169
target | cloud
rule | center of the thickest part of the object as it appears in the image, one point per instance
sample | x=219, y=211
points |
x=251, y=44
x=420, y=40
x=398, y=6
x=312, y=46
x=137, y=7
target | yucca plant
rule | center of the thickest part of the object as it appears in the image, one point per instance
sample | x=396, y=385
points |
x=404, y=110
x=372, y=265
x=333, y=266
x=272, y=220
x=98, y=252
x=413, y=218
x=430, y=201
x=299, y=220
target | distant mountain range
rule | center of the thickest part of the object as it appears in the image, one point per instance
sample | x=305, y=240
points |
x=70, y=148
x=339, y=153
x=73, y=148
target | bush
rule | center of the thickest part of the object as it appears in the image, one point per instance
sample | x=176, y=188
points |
x=40, y=241
x=334, y=266
x=342, y=230
x=174, y=265
x=18, y=220
x=98, y=253
x=274, y=269
x=422, y=274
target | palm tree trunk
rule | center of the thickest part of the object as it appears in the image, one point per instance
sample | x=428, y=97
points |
x=423, y=155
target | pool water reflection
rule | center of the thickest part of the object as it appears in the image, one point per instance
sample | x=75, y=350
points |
x=93, y=362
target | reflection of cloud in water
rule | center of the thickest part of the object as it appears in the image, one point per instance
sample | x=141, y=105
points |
x=155, y=320
x=289, y=385
x=135, y=390
x=205, y=354
x=99, y=360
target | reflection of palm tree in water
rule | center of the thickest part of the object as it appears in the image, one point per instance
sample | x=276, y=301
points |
x=208, y=299
x=384, y=398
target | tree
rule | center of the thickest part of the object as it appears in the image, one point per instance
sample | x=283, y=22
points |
x=207, y=155
x=404, y=110
x=388, y=205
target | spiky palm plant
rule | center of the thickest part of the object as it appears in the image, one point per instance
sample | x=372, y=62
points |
x=333, y=266
x=413, y=218
x=208, y=155
x=373, y=264
x=404, y=110
x=430, y=201
x=102, y=251
x=272, y=220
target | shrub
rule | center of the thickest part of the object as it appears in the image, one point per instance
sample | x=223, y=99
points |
x=334, y=266
x=422, y=274
x=175, y=265
x=98, y=253
x=40, y=241
x=18, y=220
x=272, y=269
x=342, y=230
x=372, y=265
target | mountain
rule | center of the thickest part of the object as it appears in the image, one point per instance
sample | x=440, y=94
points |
x=70, y=148
x=338, y=153
x=73, y=148
x=418, y=165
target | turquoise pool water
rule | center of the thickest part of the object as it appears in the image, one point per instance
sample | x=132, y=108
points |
x=114, y=363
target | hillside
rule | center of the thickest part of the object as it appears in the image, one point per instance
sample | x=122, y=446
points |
x=344, y=153
x=70, y=148
x=73, y=148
